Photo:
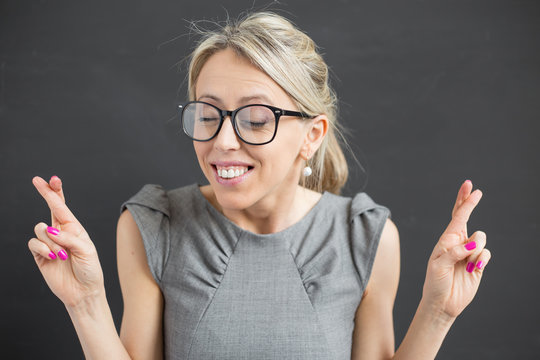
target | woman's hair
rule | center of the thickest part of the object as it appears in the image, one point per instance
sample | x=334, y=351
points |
x=290, y=57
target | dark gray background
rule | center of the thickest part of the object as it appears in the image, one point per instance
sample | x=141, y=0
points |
x=434, y=92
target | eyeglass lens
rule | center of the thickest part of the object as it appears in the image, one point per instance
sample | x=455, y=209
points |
x=255, y=124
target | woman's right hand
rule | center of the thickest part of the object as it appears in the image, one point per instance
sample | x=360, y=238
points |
x=68, y=261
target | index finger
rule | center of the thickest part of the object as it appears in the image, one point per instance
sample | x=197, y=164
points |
x=462, y=213
x=58, y=208
x=463, y=193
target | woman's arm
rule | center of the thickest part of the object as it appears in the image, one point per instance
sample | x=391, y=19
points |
x=454, y=272
x=453, y=275
x=425, y=335
x=74, y=275
x=373, y=336
x=141, y=330
x=96, y=330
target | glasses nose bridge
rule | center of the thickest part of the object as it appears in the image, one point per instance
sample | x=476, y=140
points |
x=231, y=114
x=225, y=113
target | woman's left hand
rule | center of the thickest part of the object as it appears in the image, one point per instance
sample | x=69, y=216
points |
x=455, y=266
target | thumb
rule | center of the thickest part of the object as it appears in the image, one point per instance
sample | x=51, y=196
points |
x=79, y=244
x=456, y=254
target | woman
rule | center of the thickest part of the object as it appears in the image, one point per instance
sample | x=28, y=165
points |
x=267, y=260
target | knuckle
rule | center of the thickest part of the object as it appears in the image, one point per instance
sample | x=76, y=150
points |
x=37, y=245
x=40, y=228
x=31, y=243
x=480, y=234
x=460, y=216
x=481, y=239
x=456, y=252
x=441, y=248
x=80, y=231
x=435, y=264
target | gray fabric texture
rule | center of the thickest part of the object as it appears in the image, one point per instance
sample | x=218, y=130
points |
x=233, y=294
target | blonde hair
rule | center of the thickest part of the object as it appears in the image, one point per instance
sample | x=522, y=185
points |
x=290, y=58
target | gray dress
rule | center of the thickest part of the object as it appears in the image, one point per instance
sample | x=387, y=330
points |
x=233, y=294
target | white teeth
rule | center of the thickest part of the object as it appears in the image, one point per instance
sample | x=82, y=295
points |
x=230, y=173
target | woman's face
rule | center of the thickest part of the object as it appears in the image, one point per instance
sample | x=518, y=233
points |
x=271, y=171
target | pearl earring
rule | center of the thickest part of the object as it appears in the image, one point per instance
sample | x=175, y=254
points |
x=307, y=170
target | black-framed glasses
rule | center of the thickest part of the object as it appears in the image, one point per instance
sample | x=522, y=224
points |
x=254, y=124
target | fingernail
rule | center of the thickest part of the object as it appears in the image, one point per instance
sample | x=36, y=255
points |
x=54, y=176
x=52, y=255
x=52, y=230
x=471, y=245
x=468, y=181
x=480, y=264
x=62, y=254
x=470, y=267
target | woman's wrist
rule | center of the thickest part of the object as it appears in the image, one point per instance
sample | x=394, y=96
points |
x=434, y=314
x=90, y=307
x=426, y=333
x=93, y=321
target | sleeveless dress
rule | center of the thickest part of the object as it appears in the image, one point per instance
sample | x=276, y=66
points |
x=233, y=294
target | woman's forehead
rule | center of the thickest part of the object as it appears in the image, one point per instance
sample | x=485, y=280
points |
x=227, y=77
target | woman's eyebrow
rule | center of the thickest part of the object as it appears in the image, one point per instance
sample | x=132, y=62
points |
x=210, y=97
x=262, y=97
x=243, y=99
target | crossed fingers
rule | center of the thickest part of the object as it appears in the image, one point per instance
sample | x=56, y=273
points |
x=60, y=213
x=463, y=208
x=456, y=231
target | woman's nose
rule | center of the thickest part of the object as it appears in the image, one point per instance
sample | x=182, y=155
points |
x=226, y=139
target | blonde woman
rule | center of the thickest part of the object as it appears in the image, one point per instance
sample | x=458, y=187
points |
x=266, y=261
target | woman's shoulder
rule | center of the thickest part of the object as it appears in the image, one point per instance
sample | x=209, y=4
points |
x=356, y=204
x=184, y=190
x=186, y=197
x=157, y=197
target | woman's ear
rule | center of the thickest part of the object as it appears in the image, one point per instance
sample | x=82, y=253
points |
x=317, y=129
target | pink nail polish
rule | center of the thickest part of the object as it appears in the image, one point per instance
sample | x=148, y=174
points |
x=471, y=245
x=62, y=254
x=468, y=181
x=52, y=255
x=52, y=230
x=480, y=264
x=470, y=267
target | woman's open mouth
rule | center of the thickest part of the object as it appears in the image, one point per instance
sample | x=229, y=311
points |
x=231, y=175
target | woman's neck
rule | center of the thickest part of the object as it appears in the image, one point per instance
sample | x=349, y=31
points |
x=271, y=214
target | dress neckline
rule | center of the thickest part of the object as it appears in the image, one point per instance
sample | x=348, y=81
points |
x=310, y=214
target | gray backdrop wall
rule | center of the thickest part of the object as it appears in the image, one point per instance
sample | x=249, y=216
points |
x=434, y=92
